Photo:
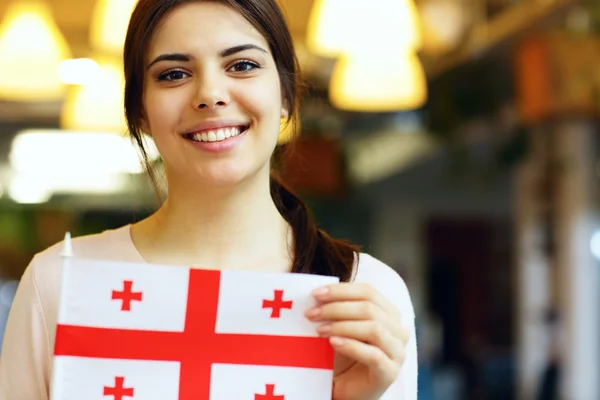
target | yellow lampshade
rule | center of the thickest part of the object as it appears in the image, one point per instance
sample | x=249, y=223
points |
x=378, y=83
x=110, y=19
x=31, y=50
x=339, y=26
x=97, y=106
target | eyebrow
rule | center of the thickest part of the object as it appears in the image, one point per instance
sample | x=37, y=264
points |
x=243, y=47
x=185, y=57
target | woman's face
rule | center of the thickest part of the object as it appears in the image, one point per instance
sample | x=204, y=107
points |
x=212, y=96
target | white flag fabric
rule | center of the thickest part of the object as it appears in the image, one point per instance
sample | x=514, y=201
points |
x=138, y=331
x=98, y=378
x=267, y=383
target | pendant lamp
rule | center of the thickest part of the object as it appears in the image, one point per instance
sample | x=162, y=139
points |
x=31, y=50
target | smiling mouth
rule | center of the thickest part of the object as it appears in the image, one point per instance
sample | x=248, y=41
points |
x=216, y=135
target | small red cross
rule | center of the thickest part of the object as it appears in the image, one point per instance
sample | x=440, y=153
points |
x=118, y=391
x=269, y=395
x=127, y=296
x=277, y=304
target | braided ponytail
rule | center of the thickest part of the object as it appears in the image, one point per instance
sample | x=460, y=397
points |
x=315, y=252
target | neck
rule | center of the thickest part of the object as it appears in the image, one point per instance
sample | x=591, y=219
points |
x=219, y=228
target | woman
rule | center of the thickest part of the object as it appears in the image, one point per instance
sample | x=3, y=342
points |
x=211, y=82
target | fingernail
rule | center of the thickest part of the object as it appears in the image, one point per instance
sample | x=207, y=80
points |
x=321, y=291
x=336, y=341
x=323, y=329
x=313, y=312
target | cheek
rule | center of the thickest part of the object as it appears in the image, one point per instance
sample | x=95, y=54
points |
x=162, y=111
x=264, y=104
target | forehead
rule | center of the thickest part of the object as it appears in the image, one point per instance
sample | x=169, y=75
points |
x=203, y=27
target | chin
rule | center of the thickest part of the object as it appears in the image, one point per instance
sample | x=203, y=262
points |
x=225, y=177
x=219, y=174
x=222, y=182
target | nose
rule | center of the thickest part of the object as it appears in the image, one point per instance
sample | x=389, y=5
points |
x=211, y=93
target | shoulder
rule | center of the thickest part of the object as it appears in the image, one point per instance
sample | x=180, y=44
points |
x=45, y=270
x=386, y=281
x=30, y=330
x=107, y=244
x=48, y=262
x=46, y=265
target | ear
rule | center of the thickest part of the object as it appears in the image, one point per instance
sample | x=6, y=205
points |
x=285, y=107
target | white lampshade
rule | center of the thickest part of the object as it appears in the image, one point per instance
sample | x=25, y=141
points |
x=378, y=83
x=110, y=19
x=97, y=106
x=339, y=26
x=31, y=50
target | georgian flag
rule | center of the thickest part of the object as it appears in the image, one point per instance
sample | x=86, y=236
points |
x=135, y=331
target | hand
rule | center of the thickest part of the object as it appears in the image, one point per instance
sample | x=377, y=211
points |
x=368, y=338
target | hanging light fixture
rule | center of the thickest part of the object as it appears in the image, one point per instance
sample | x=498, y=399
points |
x=97, y=106
x=327, y=26
x=376, y=44
x=339, y=26
x=110, y=19
x=31, y=48
x=378, y=82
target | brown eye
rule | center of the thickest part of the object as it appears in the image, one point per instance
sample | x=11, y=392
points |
x=243, y=66
x=173, y=75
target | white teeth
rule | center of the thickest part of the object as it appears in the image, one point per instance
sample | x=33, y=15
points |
x=216, y=135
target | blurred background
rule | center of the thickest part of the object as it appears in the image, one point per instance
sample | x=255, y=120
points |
x=456, y=140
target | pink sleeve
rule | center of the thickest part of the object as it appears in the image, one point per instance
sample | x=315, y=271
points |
x=25, y=358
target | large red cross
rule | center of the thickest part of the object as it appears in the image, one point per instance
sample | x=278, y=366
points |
x=119, y=390
x=127, y=295
x=269, y=395
x=277, y=304
x=198, y=347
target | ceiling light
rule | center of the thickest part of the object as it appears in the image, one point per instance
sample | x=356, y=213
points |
x=31, y=50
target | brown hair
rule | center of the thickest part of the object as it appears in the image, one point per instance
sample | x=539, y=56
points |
x=314, y=251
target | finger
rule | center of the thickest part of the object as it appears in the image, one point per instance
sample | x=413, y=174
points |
x=354, y=292
x=370, y=332
x=354, y=311
x=384, y=369
x=404, y=334
x=346, y=310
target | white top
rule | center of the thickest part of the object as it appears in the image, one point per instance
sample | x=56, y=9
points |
x=26, y=359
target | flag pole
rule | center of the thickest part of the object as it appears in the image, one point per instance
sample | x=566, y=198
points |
x=66, y=254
